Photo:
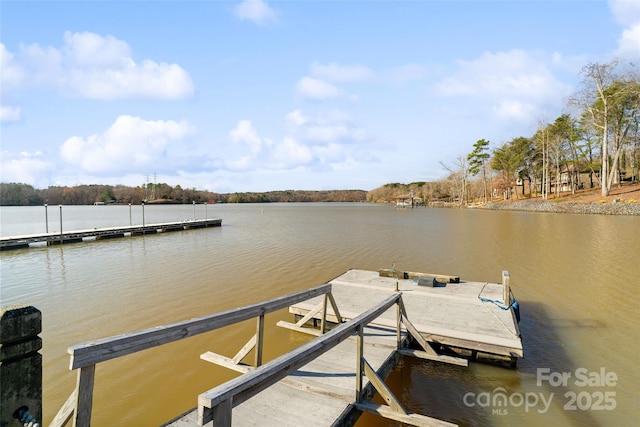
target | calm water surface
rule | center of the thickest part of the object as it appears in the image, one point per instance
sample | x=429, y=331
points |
x=576, y=278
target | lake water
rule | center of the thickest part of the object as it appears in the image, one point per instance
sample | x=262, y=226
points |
x=576, y=278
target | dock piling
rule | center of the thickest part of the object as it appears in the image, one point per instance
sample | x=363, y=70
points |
x=61, y=224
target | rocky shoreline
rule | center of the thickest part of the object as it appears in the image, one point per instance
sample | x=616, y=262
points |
x=567, y=207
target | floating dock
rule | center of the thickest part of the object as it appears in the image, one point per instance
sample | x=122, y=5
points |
x=467, y=318
x=461, y=320
x=77, y=236
x=367, y=321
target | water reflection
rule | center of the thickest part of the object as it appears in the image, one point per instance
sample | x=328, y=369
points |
x=55, y=267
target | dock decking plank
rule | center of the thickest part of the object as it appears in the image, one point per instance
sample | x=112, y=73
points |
x=322, y=391
x=452, y=314
x=319, y=392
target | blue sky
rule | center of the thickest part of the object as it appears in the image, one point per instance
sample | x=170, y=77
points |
x=308, y=95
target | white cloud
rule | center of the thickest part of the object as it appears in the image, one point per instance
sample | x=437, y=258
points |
x=323, y=80
x=327, y=133
x=101, y=67
x=290, y=154
x=626, y=12
x=148, y=80
x=330, y=133
x=245, y=132
x=407, y=73
x=42, y=66
x=318, y=89
x=514, y=83
x=256, y=11
x=131, y=142
x=90, y=50
x=244, y=163
x=516, y=110
x=329, y=128
x=12, y=73
x=26, y=168
x=296, y=118
x=311, y=142
x=9, y=114
x=333, y=154
x=497, y=74
x=334, y=72
x=629, y=43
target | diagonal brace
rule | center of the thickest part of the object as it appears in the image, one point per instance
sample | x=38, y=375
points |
x=382, y=388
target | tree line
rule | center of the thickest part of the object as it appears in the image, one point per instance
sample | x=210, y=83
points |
x=421, y=191
x=596, y=143
x=19, y=194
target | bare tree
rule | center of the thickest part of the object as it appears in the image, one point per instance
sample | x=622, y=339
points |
x=611, y=101
x=459, y=173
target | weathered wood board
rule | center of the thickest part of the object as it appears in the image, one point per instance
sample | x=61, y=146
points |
x=319, y=393
x=453, y=314
x=322, y=392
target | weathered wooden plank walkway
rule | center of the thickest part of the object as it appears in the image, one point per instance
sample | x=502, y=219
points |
x=321, y=382
x=75, y=236
x=330, y=379
x=453, y=314
x=469, y=316
x=320, y=393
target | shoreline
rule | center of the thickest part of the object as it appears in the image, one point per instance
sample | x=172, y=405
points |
x=620, y=208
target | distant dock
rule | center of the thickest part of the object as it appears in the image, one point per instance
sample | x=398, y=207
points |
x=77, y=236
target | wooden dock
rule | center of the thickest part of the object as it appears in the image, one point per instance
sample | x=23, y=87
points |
x=468, y=318
x=457, y=317
x=322, y=391
x=378, y=318
x=76, y=236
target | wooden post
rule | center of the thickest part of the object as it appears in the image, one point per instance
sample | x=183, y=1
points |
x=222, y=414
x=323, y=321
x=84, y=396
x=359, y=355
x=336, y=311
x=506, y=294
x=20, y=364
x=259, y=340
x=398, y=325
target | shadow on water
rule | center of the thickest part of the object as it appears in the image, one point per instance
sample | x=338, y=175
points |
x=545, y=356
x=485, y=395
